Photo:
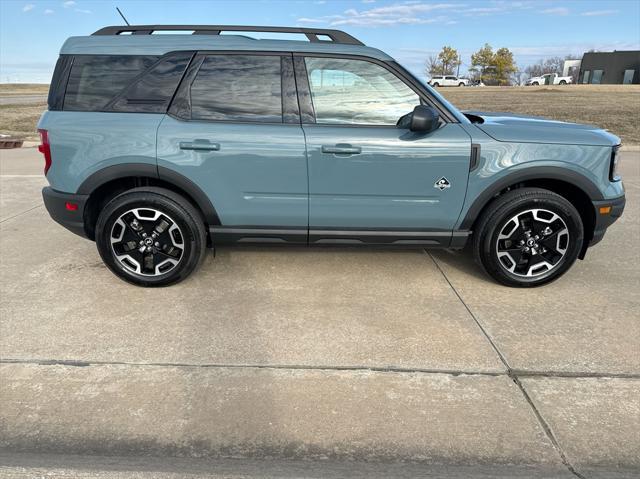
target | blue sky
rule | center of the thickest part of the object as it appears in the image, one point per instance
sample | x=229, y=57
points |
x=32, y=31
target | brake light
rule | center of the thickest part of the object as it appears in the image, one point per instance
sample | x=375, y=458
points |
x=45, y=149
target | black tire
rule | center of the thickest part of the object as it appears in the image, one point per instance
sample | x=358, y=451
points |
x=535, y=83
x=189, y=232
x=562, y=82
x=435, y=85
x=500, y=215
x=460, y=84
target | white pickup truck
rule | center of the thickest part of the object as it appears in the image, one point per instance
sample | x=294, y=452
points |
x=448, y=80
x=549, y=79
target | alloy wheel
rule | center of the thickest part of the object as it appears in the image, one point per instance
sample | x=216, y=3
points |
x=532, y=243
x=147, y=242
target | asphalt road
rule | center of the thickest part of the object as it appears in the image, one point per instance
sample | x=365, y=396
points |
x=22, y=99
x=357, y=358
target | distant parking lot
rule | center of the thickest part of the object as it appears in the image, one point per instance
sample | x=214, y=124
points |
x=338, y=353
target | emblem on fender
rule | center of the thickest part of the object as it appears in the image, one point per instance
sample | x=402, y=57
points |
x=442, y=184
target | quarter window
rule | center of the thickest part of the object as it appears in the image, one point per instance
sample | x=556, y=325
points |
x=238, y=88
x=96, y=79
x=628, y=77
x=347, y=91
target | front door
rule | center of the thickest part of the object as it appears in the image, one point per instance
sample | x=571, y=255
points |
x=235, y=134
x=368, y=178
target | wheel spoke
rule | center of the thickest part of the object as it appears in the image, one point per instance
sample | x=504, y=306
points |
x=532, y=242
x=136, y=239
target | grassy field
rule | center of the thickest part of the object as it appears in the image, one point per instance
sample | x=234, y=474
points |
x=614, y=107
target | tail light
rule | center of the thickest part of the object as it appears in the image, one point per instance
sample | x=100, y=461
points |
x=45, y=149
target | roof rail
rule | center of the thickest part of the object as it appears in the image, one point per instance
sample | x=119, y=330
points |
x=336, y=36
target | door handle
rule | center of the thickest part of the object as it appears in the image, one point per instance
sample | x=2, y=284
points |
x=199, y=145
x=341, y=149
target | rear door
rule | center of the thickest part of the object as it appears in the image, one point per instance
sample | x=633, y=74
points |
x=368, y=179
x=234, y=130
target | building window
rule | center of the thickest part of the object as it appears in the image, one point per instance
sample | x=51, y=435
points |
x=585, y=76
x=596, y=78
x=628, y=77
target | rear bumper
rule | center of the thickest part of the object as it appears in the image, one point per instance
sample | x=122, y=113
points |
x=603, y=221
x=56, y=204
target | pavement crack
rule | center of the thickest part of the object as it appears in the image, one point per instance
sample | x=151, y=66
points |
x=513, y=374
x=21, y=213
x=354, y=368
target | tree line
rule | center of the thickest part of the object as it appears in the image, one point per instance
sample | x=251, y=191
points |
x=491, y=67
x=488, y=66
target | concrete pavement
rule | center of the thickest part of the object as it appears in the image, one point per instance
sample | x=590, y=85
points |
x=282, y=354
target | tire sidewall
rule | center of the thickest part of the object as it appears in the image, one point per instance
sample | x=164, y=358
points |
x=557, y=205
x=127, y=201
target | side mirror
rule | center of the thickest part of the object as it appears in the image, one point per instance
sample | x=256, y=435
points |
x=424, y=119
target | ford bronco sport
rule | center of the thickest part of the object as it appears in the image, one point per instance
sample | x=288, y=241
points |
x=158, y=146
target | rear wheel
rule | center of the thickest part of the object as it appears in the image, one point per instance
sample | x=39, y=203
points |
x=151, y=236
x=461, y=84
x=528, y=237
x=562, y=82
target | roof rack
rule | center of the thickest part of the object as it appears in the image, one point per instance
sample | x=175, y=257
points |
x=336, y=36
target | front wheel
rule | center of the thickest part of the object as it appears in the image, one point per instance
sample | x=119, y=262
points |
x=435, y=85
x=528, y=237
x=151, y=236
x=460, y=84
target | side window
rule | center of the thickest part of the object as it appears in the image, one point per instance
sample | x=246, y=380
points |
x=152, y=92
x=96, y=79
x=585, y=76
x=451, y=78
x=238, y=88
x=346, y=91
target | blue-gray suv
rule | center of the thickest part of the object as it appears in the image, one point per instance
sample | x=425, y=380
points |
x=158, y=146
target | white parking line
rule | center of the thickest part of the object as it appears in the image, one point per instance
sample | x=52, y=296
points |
x=22, y=176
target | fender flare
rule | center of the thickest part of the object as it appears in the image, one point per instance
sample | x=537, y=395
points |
x=149, y=170
x=527, y=174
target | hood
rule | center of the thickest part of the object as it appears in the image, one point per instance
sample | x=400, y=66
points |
x=534, y=129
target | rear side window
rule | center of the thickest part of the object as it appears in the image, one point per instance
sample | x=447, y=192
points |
x=152, y=92
x=238, y=88
x=95, y=80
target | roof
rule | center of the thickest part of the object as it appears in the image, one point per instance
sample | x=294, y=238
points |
x=159, y=44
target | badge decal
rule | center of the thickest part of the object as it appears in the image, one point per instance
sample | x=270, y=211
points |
x=442, y=184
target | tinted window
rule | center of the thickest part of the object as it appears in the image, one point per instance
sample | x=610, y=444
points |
x=238, y=88
x=628, y=77
x=596, y=77
x=153, y=92
x=96, y=79
x=357, y=92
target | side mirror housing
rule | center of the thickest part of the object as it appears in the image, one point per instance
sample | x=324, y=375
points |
x=424, y=119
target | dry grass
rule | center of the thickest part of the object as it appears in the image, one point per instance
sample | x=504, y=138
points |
x=9, y=89
x=614, y=107
x=19, y=121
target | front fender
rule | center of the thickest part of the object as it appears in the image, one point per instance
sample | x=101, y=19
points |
x=506, y=164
